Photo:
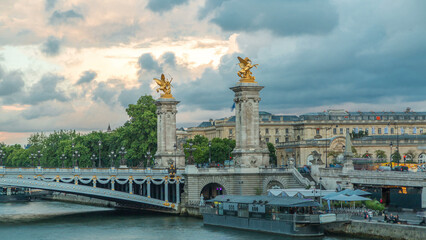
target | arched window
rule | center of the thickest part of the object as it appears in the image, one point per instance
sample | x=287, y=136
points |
x=422, y=158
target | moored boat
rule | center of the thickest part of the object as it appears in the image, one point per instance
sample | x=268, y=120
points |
x=280, y=215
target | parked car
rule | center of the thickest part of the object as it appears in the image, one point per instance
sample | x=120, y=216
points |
x=400, y=168
x=384, y=168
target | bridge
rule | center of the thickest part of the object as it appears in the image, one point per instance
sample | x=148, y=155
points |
x=149, y=188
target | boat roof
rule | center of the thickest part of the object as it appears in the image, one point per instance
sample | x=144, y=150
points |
x=267, y=200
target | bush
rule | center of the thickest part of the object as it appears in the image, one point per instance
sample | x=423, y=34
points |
x=374, y=205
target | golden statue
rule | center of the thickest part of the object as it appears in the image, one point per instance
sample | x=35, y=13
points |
x=245, y=74
x=165, y=86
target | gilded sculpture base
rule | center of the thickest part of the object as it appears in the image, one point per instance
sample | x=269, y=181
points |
x=166, y=95
x=247, y=80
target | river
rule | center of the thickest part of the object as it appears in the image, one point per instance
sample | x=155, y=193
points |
x=49, y=220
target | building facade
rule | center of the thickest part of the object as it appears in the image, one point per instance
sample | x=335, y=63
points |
x=298, y=138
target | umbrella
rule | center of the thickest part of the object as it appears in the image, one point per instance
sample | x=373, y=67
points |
x=360, y=192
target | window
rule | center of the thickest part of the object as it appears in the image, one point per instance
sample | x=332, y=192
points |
x=341, y=130
x=267, y=130
x=277, y=140
x=421, y=130
x=230, y=131
x=267, y=140
x=318, y=131
x=366, y=130
x=334, y=131
x=286, y=131
x=379, y=131
x=277, y=131
x=392, y=131
x=286, y=139
x=347, y=130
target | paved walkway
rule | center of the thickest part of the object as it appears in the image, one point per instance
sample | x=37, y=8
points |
x=410, y=217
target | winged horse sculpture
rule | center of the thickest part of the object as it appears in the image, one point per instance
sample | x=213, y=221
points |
x=164, y=85
x=245, y=74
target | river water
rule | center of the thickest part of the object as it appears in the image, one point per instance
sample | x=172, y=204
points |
x=48, y=220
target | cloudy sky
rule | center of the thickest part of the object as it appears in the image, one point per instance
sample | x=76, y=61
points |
x=75, y=64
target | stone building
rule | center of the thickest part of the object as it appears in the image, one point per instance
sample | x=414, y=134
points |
x=297, y=137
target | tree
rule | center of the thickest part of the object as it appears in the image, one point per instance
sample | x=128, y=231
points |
x=272, y=154
x=380, y=154
x=410, y=155
x=396, y=157
x=139, y=134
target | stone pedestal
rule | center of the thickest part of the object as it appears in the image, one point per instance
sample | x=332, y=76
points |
x=248, y=152
x=166, y=135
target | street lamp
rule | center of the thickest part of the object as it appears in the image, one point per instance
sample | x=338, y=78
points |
x=112, y=155
x=63, y=157
x=148, y=158
x=2, y=155
x=100, y=164
x=72, y=150
x=93, y=158
x=390, y=155
x=32, y=158
x=210, y=152
x=320, y=191
x=38, y=156
x=190, y=149
x=175, y=147
x=122, y=152
x=76, y=155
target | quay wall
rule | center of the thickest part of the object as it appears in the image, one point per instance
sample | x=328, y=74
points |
x=376, y=230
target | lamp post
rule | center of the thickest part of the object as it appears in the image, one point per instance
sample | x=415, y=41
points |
x=63, y=157
x=390, y=155
x=99, y=163
x=72, y=150
x=93, y=158
x=32, y=158
x=148, y=158
x=190, y=149
x=112, y=155
x=175, y=147
x=38, y=156
x=2, y=155
x=320, y=191
x=210, y=152
x=76, y=155
x=122, y=152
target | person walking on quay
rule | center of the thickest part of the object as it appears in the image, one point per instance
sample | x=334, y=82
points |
x=386, y=218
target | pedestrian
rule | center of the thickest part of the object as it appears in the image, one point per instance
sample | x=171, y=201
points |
x=386, y=218
x=370, y=216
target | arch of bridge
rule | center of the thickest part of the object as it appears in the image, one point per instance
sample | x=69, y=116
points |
x=85, y=190
x=221, y=180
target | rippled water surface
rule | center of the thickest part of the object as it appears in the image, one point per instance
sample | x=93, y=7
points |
x=57, y=220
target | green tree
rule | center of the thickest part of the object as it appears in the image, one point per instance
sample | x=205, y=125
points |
x=272, y=154
x=396, y=157
x=380, y=154
x=139, y=134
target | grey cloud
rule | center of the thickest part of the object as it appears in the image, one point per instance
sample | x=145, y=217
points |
x=65, y=17
x=52, y=46
x=86, y=77
x=164, y=5
x=108, y=91
x=210, y=91
x=131, y=96
x=47, y=109
x=283, y=17
x=147, y=62
x=169, y=58
x=50, y=4
x=46, y=89
x=209, y=7
x=10, y=82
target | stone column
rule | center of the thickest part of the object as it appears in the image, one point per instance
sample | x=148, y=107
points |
x=148, y=188
x=166, y=191
x=249, y=151
x=166, y=134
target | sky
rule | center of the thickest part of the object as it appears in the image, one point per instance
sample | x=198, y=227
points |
x=75, y=64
